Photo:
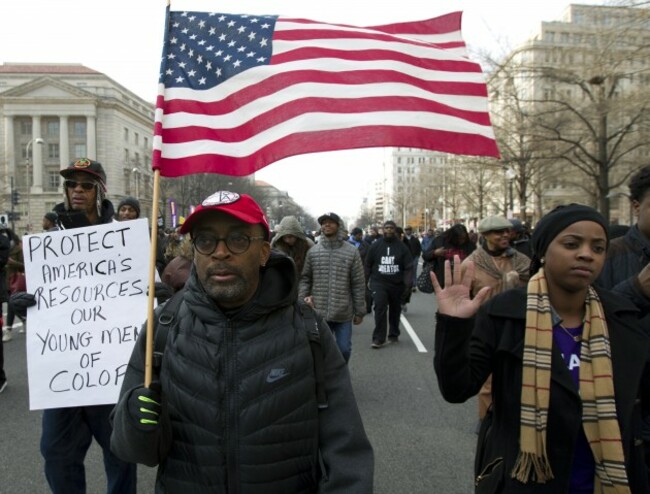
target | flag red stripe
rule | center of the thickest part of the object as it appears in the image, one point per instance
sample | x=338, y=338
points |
x=287, y=111
x=447, y=23
x=354, y=138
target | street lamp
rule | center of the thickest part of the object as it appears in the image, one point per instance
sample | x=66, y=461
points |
x=28, y=147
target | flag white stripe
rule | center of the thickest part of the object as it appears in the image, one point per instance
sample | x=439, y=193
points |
x=284, y=25
x=343, y=45
x=317, y=121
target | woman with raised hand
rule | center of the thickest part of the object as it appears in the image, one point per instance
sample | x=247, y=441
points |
x=568, y=364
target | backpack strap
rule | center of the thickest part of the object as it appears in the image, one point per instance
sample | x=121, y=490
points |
x=310, y=325
x=163, y=323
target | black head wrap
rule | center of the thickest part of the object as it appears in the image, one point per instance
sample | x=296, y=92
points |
x=554, y=222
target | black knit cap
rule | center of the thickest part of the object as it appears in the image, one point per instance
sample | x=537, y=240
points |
x=130, y=201
x=557, y=220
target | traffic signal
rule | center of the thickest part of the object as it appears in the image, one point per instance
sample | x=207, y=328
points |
x=15, y=197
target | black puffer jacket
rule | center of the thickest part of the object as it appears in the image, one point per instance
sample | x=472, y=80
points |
x=239, y=393
x=626, y=257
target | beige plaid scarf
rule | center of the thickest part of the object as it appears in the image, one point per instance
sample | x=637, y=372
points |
x=596, y=390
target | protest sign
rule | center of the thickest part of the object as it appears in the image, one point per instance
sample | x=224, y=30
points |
x=90, y=286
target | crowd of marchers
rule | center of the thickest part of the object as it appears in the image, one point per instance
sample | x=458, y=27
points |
x=251, y=390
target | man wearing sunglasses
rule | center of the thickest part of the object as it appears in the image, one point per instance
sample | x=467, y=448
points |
x=233, y=407
x=84, y=195
x=68, y=432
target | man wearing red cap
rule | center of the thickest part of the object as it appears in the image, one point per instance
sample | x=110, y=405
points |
x=234, y=406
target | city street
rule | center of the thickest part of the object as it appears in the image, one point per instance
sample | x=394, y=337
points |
x=422, y=444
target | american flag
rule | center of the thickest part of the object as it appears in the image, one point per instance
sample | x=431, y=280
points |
x=238, y=92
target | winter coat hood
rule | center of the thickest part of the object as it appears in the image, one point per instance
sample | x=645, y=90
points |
x=288, y=226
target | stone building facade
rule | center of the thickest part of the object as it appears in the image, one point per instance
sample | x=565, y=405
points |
x=52, y=114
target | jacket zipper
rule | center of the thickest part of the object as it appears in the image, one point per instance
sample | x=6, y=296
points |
x=232, y=418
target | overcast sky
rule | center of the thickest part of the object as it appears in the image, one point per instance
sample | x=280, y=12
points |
x=123, y=39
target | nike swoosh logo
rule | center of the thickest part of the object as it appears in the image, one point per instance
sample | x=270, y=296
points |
x=276, y=375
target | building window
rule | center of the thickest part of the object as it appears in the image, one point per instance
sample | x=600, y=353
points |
x=79, y=127
x=126, y=156
x=52, y=128
x=53, y=150
x=80, y=150
x=53, y=180
x=25, y=126
x=146, y=143
x=126, y=134
x=136, y=138
x=137, y=158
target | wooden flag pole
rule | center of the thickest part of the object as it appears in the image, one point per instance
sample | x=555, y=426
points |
x=148, y=357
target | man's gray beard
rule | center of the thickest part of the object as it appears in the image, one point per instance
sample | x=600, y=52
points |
x=222, y=292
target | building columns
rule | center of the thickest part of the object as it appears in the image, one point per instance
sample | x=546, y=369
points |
x=64, y=142
x=37, y=156
x=91, y=137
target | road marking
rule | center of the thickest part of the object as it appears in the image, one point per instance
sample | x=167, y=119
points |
x=412, y=334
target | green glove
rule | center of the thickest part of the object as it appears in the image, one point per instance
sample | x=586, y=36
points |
x=144, y=407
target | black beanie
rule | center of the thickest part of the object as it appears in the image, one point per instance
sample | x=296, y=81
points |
x=130, y=201
x=554, y=222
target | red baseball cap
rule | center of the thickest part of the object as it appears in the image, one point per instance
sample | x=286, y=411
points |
x=240, y=206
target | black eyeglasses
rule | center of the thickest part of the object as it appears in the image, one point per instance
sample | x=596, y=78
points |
x=72, y=184
x=236, y=243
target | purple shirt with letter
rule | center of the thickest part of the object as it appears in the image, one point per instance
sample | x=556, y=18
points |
x=584, y=467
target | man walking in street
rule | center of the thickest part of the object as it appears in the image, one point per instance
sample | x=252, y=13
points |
x=333, y=282
x=68, y=432
x=415, y=247
x=499, y=266
x=388, y=266
x=235, y=406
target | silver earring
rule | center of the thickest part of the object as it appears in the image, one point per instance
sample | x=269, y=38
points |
x=542, y=261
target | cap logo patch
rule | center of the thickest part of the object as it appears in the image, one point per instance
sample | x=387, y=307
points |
x=82, y=163
x=221, y=197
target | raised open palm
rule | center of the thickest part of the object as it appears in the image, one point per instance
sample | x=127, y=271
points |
x=455, y=298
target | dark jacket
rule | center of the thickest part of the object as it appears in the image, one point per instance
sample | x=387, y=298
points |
x=77, y=219
x=467, y=350
x=626, y=257
x=437, y=263
x=236, y=426
x=413, y=245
